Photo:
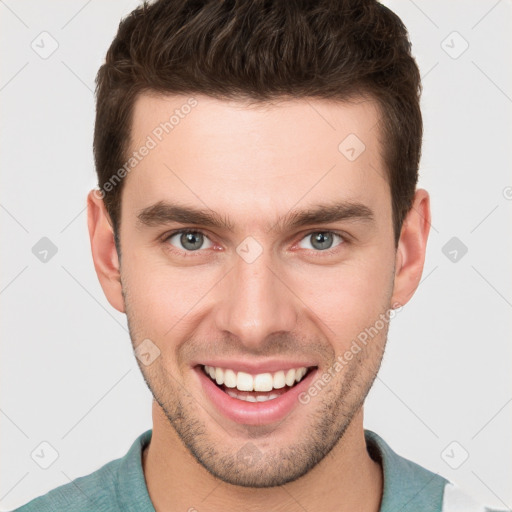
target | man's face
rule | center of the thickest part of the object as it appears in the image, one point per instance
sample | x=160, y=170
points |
x=263, y=292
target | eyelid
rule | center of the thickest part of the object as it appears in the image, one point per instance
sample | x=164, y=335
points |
x=171, y=234
x=345, y=239
x=326, y=253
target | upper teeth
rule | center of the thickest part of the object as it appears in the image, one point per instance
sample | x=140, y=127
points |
x=260, y=382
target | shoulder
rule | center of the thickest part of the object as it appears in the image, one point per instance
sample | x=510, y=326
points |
x=90, y=492
x=410, y=487
x=118, y=485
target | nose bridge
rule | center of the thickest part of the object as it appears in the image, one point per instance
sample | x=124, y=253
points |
x=256, y=302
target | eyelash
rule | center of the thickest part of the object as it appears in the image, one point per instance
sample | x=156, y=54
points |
x=188, y=254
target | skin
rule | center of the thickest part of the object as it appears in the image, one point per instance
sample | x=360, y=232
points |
x=254, y=165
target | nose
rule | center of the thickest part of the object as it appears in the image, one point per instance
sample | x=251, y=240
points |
x=256, y=303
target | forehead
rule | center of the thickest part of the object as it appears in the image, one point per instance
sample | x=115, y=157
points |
x=231, y=155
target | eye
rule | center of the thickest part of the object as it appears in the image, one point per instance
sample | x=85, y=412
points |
x=188, y=239
x=322, y=240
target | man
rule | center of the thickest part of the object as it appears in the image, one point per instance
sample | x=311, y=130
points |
x=258, y=222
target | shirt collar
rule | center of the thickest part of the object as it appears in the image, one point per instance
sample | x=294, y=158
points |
x=407, y=486
x=132, y=491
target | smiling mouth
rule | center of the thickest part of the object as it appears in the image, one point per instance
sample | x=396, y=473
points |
x=256, y=388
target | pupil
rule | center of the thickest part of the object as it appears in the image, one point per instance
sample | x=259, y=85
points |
x=322, y=240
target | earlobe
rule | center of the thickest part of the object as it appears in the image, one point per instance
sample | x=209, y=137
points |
x=104, y=252
x=410, y=254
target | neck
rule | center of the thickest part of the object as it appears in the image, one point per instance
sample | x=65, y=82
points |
x=346, y=479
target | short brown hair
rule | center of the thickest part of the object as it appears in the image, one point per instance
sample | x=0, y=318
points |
x=263, y=50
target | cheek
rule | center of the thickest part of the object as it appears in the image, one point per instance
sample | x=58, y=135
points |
x=162, y=296
x=341, y=300
x=347, y=298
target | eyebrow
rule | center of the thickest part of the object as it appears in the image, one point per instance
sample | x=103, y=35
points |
x=163, y=212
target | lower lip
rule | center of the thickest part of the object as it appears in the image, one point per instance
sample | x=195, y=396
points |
x=253, y=413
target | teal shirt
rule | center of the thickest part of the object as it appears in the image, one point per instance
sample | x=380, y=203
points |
x=119, y=485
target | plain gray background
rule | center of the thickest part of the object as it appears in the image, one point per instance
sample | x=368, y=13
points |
x=68, y=374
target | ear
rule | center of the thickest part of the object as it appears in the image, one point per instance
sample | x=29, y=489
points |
x=410, y=254
x=104, y=253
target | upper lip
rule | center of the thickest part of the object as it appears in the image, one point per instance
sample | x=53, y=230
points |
x=255, y=367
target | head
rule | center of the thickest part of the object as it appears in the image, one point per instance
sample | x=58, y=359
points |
x=284, y=138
